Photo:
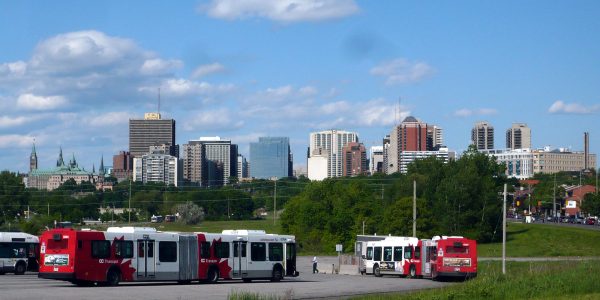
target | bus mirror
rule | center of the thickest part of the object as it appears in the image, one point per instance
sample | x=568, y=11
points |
x=57, y=237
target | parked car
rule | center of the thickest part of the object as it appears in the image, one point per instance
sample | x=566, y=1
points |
x=590, y=221
x=579, y=220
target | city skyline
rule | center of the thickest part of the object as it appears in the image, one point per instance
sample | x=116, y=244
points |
x=73, y=74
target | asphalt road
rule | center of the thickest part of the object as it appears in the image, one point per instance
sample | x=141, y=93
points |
x=306, y=286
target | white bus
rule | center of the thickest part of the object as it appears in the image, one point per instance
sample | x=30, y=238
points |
x=393, y=256
x=18, y=252
x=144, y=254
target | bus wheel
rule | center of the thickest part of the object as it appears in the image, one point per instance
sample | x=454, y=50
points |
x=376, y=271
x=413, y=271
x=277, y=274
x=20, y=268
x=213, y=275
x=112, y=278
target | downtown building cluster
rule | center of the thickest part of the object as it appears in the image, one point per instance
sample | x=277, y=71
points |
x=154, y=156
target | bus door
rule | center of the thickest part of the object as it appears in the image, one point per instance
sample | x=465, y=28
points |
x=240, y=259
x=426, y=257
x=146, y=261
x=290, y=259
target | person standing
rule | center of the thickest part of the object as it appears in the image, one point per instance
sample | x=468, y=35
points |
x=315, y=261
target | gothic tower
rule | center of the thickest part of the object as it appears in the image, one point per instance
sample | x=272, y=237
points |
x=33, y=161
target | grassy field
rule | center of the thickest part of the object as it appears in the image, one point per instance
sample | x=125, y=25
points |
x=546, y=280
x=530, y=240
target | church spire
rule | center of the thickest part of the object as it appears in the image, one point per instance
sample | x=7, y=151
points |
x=101, y=170
x=60, y=162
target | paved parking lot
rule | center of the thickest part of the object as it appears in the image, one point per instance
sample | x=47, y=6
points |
x=306, y=286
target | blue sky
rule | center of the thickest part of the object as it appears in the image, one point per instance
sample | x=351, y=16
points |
x=72, y=73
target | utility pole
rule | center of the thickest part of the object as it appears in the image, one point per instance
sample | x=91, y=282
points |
x=228, y=211
x=363, y=227
x=275, y=201
x=382, y=192
x=414, y=208
x=129, y=209
x=504, y=233
x=554, y=197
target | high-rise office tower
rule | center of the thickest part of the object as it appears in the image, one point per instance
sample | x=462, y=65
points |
x=209, y=161
x=518, y=137
x=376, y=158
x=354, y=161
x=332, y=141
x=482, y=136
x=242, y=167
x=410, y=135
x=151, y=131
x=435, y=138
x=271, y=157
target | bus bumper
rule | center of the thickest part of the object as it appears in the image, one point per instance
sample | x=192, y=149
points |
x=457, y=274
x=57, y=276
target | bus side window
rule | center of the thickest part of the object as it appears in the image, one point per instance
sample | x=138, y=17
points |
x=258, y=252
x=100, y=249
x=236, y=250
x=387, y=253
x=408, y=252
x=369, y=252
x=377, y=254
x=275, y=251
x=397, y=253
x=417, y=252
x=205, y=250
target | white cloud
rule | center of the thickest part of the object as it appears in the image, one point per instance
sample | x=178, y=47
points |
x=183, y=87
x=204, y=70
x=402, y=71
x=33, y=102
x=110, y=119
x=17, y=68
x=216, y=119
x=286, y=11
x=335, y=107
x=559, y=107
x=156, y=66
x=6, y=121
x=465, y=112
x=15, y=140
x=81, y=50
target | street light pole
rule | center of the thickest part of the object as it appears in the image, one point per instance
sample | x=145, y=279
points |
x=504, y=233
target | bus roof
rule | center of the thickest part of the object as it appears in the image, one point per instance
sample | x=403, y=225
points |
x=6, y=237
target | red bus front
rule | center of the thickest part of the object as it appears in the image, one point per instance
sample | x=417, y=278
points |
x=456, y=257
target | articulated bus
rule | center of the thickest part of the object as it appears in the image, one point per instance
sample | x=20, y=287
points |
x=85, y=257
x=434, y=258
x=18, y=252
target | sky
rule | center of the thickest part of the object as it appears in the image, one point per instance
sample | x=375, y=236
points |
x=72, y=73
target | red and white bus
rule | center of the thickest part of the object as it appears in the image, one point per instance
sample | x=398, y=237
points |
x=444, y=256
x=119, y=254
x=393, y=256
x=449, y=256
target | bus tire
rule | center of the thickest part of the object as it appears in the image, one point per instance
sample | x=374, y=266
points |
x=376, y=271
x=213, y=275
x=413, y=271
x=277, y=274
x=20, y=268
x=113, y=277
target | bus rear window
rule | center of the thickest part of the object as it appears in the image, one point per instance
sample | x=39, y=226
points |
x=57, y=245
x=457, y=250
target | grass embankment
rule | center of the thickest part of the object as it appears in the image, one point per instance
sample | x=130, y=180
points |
x=524, y=280
x=537, y=240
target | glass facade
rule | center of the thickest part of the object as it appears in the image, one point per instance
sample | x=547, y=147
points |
x=271, y=157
